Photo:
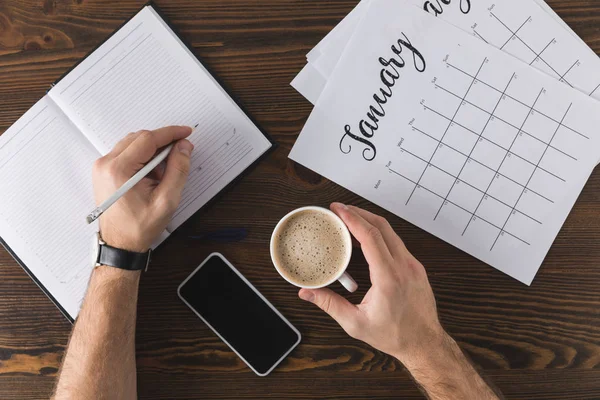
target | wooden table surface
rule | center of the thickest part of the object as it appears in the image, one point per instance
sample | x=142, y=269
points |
x=539, y=342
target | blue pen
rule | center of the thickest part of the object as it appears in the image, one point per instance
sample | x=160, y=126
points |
x=227, y=235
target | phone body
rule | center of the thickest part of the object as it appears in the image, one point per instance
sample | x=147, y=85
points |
x=239, y=314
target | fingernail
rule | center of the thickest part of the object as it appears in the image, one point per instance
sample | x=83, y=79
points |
x=307, y=295
x=185, y=147
x=340, y=206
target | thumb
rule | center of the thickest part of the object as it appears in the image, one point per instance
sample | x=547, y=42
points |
x=345, y=313
x=176, y=172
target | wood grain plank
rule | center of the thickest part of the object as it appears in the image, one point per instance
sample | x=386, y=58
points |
x=541, y=342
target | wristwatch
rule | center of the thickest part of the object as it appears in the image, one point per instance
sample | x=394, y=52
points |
x=104, y=254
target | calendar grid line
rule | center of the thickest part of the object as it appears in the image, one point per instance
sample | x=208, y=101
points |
x=506, y=155
x=448, y=127
x=456, y=205
x=494, y=143
x=542, y=52
x=507, y=123
x=519, y=101
x=479, y=36
x=476, y=142
x=514, y=34
x=468, y=184
x=482, y=164
x=569, y=70
x=529, y=180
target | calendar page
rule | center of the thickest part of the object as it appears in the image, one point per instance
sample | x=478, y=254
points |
x=523, y=28
x=453, y=135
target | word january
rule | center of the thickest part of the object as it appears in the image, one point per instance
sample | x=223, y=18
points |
x=436, y=6
x=389, y=74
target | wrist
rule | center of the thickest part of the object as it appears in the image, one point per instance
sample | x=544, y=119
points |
x=432, y=347
x=113, y=294
x=108, y=273
x=129, y=245
x=132, y=239
x=443, y=372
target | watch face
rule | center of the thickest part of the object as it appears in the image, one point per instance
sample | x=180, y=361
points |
x=95, y=249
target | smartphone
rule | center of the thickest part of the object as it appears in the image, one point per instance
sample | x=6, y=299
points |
x=236, y=311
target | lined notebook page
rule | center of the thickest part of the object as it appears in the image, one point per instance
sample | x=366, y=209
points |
x=46, y=190
x=145, y=78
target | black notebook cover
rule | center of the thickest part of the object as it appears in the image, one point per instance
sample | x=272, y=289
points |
x=210, y=202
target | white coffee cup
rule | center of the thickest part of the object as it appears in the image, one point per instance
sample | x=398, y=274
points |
x=342, y=276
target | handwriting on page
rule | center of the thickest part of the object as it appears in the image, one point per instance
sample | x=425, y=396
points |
x=218, y=152
x=176, y=100
x=144, y=78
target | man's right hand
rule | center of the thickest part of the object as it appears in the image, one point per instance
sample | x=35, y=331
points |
x=398, y=315
x=138, y=218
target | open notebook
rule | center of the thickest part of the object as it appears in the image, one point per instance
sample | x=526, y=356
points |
x=142, y=77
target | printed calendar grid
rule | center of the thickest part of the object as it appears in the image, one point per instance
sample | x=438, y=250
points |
x=515, y=36
x=509, y=152
x=396, y=154
x=537, y=55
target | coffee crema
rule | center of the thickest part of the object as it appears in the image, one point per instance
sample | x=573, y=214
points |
x=309, y=248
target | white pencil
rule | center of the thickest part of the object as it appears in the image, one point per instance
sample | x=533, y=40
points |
x=134, y=180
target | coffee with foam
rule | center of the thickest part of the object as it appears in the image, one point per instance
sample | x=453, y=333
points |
x=310, y=248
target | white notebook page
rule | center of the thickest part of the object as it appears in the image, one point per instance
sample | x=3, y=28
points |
x=141, y=78
x=46, y=187
x=145, y=78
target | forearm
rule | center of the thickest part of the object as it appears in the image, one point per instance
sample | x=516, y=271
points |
x=443, y=372
x=100, y=359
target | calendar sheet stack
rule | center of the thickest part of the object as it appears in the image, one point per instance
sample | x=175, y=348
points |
x=474, y=120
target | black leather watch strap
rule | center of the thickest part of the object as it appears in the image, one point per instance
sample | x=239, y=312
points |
x=123, y=259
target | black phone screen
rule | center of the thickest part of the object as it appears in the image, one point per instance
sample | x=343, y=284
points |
x=239, y=314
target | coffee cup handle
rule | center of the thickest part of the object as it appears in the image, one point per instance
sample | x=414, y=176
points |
x=349, y=283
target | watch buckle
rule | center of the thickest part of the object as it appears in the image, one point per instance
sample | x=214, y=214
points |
x=148, y=261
